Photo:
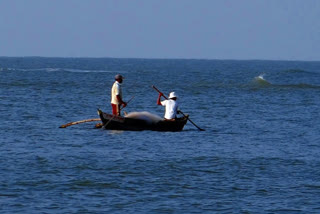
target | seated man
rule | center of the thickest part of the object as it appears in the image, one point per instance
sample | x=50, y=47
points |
x=171, y=106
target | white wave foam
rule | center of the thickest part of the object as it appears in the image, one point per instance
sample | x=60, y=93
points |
x=260, y=80
x=60, y=70
x=77, y=70
x=52, y=69
x=88, y=71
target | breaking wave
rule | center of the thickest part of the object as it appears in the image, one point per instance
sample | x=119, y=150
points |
x=261, y=81
x=300, y=86
x=299, y=71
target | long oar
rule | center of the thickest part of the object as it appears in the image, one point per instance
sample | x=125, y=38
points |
x=179, y=110
x=81, y=121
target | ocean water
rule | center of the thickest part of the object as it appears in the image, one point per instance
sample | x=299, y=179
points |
x=259, y=152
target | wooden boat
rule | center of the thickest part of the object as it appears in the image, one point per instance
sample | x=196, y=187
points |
x=114, y=122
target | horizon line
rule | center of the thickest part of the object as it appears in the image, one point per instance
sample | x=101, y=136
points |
x=158, y=58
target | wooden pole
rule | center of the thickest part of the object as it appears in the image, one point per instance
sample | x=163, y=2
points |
x=81, y=121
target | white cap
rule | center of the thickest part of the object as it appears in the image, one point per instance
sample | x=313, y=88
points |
x=172, y=95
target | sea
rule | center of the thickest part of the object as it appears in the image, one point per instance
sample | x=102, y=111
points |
x=259, y=153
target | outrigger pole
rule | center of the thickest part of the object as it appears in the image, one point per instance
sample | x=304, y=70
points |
x=81, y=121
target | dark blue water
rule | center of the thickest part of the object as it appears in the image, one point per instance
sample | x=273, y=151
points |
x=259, y=153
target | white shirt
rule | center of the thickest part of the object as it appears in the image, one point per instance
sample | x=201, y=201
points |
x=115, y=90
x=171, y=108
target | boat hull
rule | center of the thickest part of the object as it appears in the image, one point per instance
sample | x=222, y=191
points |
x=113, y=122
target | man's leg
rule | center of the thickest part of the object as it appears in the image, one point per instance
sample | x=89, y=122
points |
x=115, y=109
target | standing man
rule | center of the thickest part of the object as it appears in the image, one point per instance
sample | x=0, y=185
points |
x=171, y=106
x=116, y=96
